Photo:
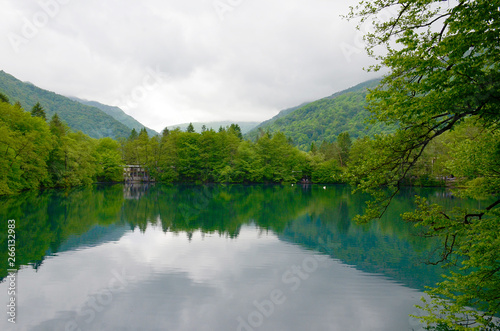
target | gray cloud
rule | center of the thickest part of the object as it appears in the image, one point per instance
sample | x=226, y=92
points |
x=219, y=60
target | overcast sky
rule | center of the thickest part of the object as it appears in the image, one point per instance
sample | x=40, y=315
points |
x=167, y=62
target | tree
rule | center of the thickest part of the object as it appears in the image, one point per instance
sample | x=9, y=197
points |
x=38, y=111
x=109, y=160
x=313, y=148
x=4, y=98
x=25, y=143
x=167, y=166
x=133, y=135
x=344, y=145
x=443, y=60
x=247, y=164
x=236, y=130
x=280, y=161
x=326, y=172
x=188, y=156
x=209, y=155
x=143, y=149
x=136, y=148
x=58, y=127
x=227, y=143
x=73, y=158
x=190, y=128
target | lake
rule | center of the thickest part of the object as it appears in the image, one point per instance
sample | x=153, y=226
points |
x=187, y=257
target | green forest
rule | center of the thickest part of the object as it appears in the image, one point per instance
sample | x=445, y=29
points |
x=87, y=119
x=41, y=153
x=44, y=153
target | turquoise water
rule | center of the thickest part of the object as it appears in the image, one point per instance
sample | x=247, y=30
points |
x=214, y=258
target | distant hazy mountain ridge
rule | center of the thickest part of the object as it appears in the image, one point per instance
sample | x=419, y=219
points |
x=244, y=126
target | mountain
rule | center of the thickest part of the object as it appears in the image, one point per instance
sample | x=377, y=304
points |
x=281, y=114
x=244, y=126
x=326, y=118
x=118, y=115
x=90, y=120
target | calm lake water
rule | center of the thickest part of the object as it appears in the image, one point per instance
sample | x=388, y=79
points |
x=236, y=258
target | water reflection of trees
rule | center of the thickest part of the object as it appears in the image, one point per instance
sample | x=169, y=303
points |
x=312, y=216
x=46, y=219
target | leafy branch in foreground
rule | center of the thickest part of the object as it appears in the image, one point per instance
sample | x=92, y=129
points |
x=443, y=59
x=470, y=297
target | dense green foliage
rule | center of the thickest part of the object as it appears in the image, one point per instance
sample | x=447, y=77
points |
x=325, y=119
x=24, y=145
x=39, y=154
x=224, y=157
x=118, y=114
x=443, y=90
x=38, y=111
x=79, y=117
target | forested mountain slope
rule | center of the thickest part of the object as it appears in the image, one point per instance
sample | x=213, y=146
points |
x=325, y=119
x=118, y=114
x=90, y=120
x=281, y=114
